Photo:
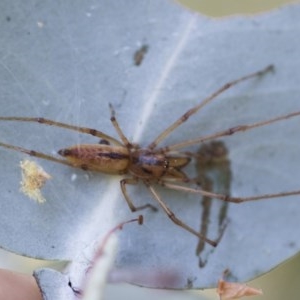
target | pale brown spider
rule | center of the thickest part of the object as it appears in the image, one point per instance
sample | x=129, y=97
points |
x=151, y=165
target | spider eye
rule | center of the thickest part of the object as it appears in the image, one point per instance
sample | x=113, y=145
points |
x=64, y=152
x=104, y=142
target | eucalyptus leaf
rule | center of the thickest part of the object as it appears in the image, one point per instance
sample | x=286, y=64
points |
x=68, y=60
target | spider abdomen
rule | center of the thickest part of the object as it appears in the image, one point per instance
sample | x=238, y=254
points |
x=99, y=158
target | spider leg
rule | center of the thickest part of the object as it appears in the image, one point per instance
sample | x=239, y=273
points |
x=176, y=220
x=229, y=131
x=226, y=197
x=132, y=207
x=118, y=128
x=49, y=122
x=41, y=155
x=207, y=100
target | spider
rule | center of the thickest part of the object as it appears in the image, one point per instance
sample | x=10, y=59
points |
x=151, y=165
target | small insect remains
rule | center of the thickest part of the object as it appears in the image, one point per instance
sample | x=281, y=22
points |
x=151, y=165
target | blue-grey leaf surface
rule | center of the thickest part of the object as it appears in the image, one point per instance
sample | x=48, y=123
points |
x=68, y=60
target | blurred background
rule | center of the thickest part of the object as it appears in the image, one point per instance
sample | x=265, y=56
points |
x=216, y=8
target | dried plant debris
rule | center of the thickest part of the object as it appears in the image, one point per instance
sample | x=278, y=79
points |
x=234, y=290
x=139, y=55
x=101, y=265
x=33, y=179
